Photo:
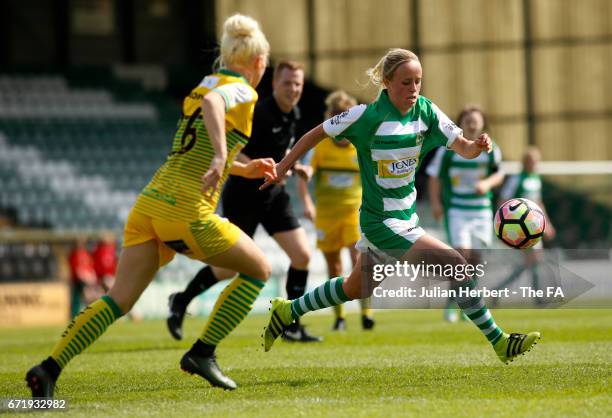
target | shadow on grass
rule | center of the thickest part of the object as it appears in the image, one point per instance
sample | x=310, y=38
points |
x=294, y=383
x=136, y=349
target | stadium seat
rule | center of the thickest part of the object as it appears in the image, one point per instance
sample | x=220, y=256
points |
x=75, y=150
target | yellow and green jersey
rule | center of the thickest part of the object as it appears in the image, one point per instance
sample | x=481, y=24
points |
x=337, y=181
x=174, y=192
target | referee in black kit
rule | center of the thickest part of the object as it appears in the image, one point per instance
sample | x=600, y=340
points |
x=274, y=131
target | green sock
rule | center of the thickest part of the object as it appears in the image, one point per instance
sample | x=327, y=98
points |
x=85, y=328
x=233, y=305
x=328, y=294
x=478, y=313
x=339, y=309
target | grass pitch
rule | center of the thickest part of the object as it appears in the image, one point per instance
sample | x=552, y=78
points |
x=412, y=364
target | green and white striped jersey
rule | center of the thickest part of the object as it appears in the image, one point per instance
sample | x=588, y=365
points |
x=389, y=150
x=525, y=185
x=459, y=176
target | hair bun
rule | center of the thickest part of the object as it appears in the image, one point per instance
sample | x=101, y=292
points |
x=242, y=40
x=240, y=26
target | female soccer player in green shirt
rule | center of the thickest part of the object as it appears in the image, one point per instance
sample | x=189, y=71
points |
x=391, y=135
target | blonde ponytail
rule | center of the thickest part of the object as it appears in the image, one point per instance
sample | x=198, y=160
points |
x=387, y=65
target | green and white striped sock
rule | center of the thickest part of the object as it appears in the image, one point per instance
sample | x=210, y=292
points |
x=328, y=294
x=475, y=309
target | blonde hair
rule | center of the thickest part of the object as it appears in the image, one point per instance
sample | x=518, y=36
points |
x=242, y=40
x=387, y=65
x=337, y=102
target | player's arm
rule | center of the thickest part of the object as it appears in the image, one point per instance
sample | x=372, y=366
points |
x=494, y=180
x=488, y=183
x=257, y=168
x=243, y=158
x=213, y=110
x=254, y=169
x=497, y=175
x=472, y=149
x=306, y=142
x=303, y=168
x=304, y=171
x=300, y=168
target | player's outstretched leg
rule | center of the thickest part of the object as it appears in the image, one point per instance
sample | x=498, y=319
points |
x=283, y=312
x=232, y=306
x=178, y=302
x=506, y=346
x=84, y=329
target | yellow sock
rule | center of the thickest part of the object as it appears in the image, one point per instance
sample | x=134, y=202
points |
x=339, y=311
x=85, y=328
x=232, y=306
x=366, y=309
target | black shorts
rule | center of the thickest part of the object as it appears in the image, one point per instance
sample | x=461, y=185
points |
x=246, y=207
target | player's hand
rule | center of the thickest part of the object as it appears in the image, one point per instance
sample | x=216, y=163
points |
x=484, y=142
x=281, y=173
x=210, y=180
x=310, y=211
x=260, y=167
x=304, y=171
x=482, y=187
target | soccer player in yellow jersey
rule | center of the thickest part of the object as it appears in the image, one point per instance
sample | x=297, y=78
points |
x=338, y=197
x=175, y=213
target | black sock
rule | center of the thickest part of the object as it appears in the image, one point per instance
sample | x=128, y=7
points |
x=296, y=283
x=51, y=367
x=201, y=349
x=295, y=287
x=202, y=281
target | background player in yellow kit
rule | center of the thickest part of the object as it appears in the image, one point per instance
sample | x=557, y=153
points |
x=175, y=213
x=338, y=197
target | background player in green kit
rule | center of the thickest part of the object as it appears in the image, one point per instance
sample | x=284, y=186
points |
x=528, y=185
x=460, y=189
x=391, y=135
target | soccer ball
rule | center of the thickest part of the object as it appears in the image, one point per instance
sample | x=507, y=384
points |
x=519, y=223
